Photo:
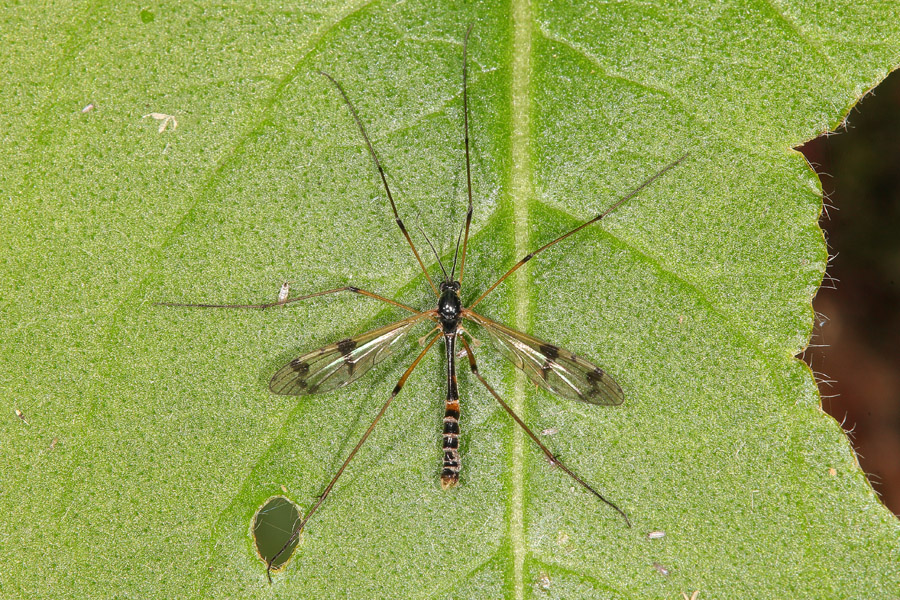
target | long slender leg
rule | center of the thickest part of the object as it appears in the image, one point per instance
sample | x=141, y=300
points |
x=462, y=263
x=452, y=463
x=616, y=205
x=346, y=288
x=550, y=456
x=353, y=452
x=387, y=189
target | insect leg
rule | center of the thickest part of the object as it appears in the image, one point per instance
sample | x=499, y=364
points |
x=462, y=263
x=353, y=452
x=550, y=456
x=387, y=189
x=346, y=288
x=616, y=205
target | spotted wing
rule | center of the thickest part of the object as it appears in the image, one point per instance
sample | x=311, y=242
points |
x=551, y=367
x=338, y=364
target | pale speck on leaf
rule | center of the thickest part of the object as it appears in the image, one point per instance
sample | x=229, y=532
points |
x=164, y=121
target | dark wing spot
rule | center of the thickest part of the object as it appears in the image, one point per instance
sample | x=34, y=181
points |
x=595, y=375
x=300, y=366
x=549, y=350
x=346, y=346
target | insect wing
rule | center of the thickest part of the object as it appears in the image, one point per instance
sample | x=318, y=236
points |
x=338, y=364
x=551, y=367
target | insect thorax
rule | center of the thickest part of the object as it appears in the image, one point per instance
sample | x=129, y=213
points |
x=449, y=306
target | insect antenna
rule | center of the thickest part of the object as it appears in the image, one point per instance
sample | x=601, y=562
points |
x=456, y=255
x=434, y=251
x=384, y=182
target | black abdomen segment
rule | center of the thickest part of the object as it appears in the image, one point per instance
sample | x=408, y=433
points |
x=450, y=471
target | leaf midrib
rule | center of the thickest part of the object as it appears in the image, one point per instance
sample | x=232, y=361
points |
x=520, y=193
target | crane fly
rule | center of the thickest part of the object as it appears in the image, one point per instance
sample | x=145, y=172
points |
x=550, y=367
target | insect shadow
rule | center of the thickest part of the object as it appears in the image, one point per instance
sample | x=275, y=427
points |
x=550, y=367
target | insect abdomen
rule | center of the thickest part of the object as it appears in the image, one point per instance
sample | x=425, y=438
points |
x=450, y=472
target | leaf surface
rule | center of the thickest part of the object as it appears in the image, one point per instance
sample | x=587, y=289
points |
x=150, y=437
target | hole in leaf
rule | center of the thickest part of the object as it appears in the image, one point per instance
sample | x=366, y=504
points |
x=273, y=525
x=854, y=350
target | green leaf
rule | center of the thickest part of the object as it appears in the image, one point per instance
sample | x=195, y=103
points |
x=149, y=437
